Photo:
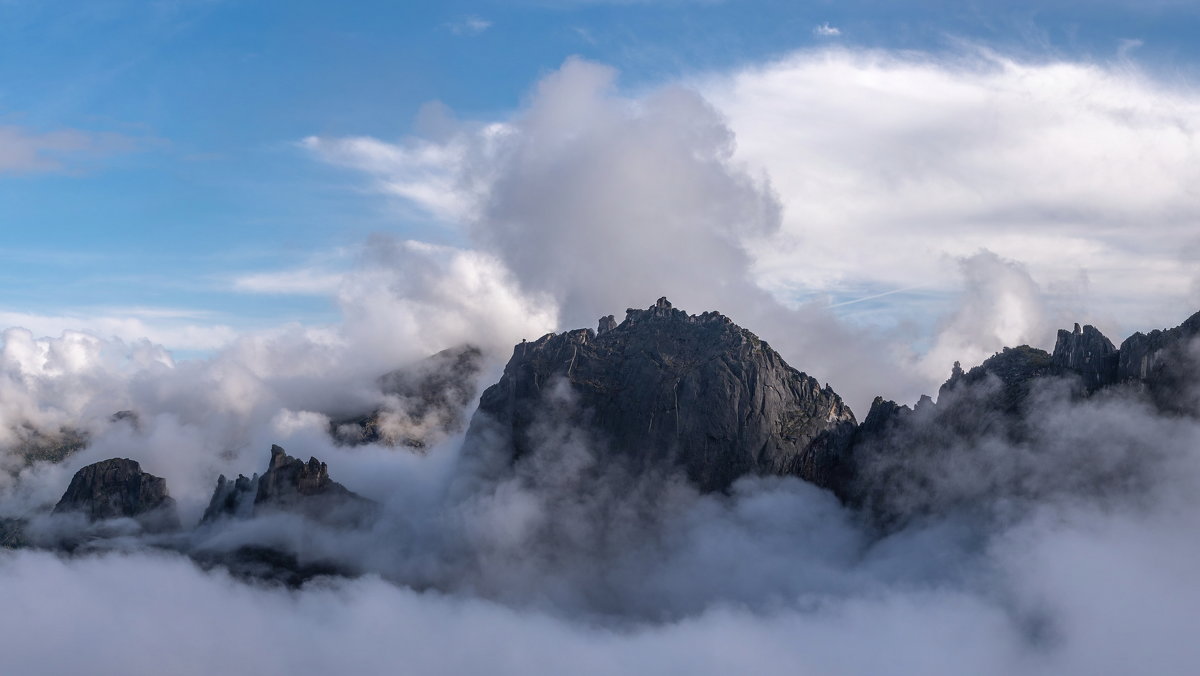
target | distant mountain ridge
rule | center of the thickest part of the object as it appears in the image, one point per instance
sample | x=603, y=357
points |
x=666, y=392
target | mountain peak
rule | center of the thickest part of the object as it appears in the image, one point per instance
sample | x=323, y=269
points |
x=668, y=389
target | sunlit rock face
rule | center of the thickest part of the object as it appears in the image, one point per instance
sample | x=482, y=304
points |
x=667, y=389
x=426, y=402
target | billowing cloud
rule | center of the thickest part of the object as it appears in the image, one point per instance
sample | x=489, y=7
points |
x=872, y=173
x=891, y=166
x=180, y=329
x=598, y=202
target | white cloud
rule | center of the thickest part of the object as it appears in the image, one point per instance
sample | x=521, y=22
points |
x=179, y=329
x=1126, y=46
x=426, y=173
x=301, y=281
x=859, y=180
x=892, y=166
x=826, y=31
x=470, y=25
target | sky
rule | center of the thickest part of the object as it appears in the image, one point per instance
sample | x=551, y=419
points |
x=232, y=217
x=187, y=171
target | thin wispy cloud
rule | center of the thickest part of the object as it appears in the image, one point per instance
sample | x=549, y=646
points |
x=827, y=31
x=25, y=151
x=303, y=282
x=470, y=25
x=1127, y=46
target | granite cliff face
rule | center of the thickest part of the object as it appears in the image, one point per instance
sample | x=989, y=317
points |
x=119, y=488
x=1164, y=364
x=1087, y=353
x=667, y=389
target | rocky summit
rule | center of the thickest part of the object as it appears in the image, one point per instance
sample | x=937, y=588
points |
x=118, y=488
x=288, y=485
x=664, y=388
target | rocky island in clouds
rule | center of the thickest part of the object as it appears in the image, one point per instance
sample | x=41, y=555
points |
x=288, y=388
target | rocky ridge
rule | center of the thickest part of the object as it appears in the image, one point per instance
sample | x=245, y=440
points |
x=288, y=485
x=664, y=388
x=664, y=391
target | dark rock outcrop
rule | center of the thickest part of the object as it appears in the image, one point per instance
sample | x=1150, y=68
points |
x=289, y=481
x=985, y=439
x=606, y=324
x=232, y=498
x=261, y=564
x=288, y=485
x=1015, y=368
x=119, y=488
x=1166, y=364
x=1088, y=353
x=427, y=401
x=667, y=389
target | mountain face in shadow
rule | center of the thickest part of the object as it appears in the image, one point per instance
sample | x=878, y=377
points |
x=664, y=388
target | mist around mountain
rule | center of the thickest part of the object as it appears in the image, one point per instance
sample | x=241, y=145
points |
x=661, y=490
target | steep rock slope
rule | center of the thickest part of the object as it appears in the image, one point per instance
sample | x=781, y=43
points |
x=667, y=389
x=1165, y=364
x=119, y=488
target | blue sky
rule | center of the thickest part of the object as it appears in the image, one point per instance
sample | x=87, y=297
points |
x=156, y=144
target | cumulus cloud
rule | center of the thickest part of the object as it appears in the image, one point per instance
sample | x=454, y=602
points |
x=401, y=302
x=850, y=179
x=891, y=166
x=181, y=329
x=999, y=306
x=596, y=202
